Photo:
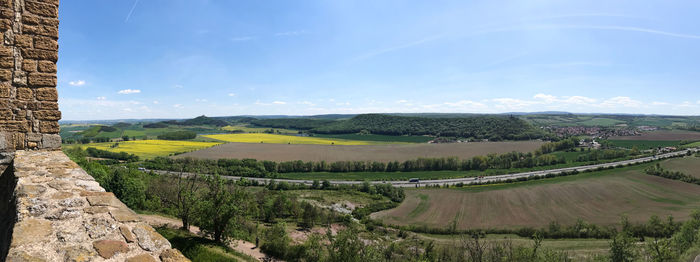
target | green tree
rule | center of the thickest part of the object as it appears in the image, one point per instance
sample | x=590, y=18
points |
x=223, y=208
x=275, y=240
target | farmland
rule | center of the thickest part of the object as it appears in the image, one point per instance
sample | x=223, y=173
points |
x=664, y=135
x=379, y=138
x=285, y=139
x=688, y=165
x=150, y=148
x=248, y=129
x=643, y=144
x=383, y=153
x=597, y=197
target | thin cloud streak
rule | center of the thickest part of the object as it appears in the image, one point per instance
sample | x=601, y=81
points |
x=131, y=12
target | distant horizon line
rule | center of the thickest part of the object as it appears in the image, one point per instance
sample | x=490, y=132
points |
x=392, y=113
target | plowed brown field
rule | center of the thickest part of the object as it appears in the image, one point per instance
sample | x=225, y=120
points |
x=674, y=135
x=385, y=153
x=688, y=165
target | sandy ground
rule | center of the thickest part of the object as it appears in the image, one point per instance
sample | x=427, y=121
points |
x=382, y=153
x=242, y=246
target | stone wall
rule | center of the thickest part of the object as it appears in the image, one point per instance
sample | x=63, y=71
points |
x=28, y=53
x=62, y=214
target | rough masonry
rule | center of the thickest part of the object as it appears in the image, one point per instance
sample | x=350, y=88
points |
x=50, y=209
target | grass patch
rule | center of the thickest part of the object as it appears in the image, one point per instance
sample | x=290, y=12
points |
x=643, y=144
x=422, y=206
x=201, y=249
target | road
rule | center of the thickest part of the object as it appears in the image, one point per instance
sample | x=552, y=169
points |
x=470, y=180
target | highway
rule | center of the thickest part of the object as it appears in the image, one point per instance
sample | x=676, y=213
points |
x=468, y=180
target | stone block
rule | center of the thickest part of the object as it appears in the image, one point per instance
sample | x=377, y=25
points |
x=31, y=190
x=29, y=65
x=141, y=258
x=47, y=106
x=30, y=231
x=149, y=239
x=47, y=115
x=108, y=248
x=45, y=43
x=6, y=51
x=6, y=3
x=5, y=90
x=7, y=13
x=51, y=141
x=104, y=199
x=37, y=54
x=42, y=9
x=47, y=94
x=19, y=78
x=24, y=93
x=78, y=254
x=124, y=215
x=34, y=137
x=99, y=227
x=24, y=41
x=6, y=114
x=5, y=74
x=49, y=127
x=126, y=232
x=42, y=79
x=41, y=29
x=47, y=67
x=7, y=62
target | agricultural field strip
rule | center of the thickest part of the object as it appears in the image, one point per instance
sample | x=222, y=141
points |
x=469, y=180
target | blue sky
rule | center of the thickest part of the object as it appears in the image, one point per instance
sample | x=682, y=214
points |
x=183, y=58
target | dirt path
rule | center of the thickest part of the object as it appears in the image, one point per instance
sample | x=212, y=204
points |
x=241, y=246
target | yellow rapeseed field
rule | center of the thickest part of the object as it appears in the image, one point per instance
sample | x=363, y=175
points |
x=285, y=139
x=151, y=148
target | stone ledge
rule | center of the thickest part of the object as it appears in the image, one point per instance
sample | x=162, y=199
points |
x=64, y=215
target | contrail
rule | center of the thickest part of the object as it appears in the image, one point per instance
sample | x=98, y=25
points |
x=131, y=12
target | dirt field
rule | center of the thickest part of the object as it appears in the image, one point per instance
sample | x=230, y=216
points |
x=675, y=135
x=385, y=153
x=599, y=197
x=688, y=165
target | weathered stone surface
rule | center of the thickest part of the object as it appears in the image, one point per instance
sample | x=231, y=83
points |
x=98, y=227
x=149, y=239
x=126, y=232
x=96, y=210
x=78, y=254
x=142, y=258
x=72, y=202
x=31, y=231
x=21, y=256
x=61, y=184
x=124, y=215
x=61, y=195
x=49, y=127
x=108, y=248
x=104, y=199
x=66, y=213
x=31, y=190
x=37, y=207
x=72, y=235
x=173, y=255
x=41, y=9
x=51, y=141
x=47, y=67
x=42, y=79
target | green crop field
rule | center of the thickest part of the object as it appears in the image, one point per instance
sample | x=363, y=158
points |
x=379, y=138
x=643, y=144
x=598, y=197
x=601, y=122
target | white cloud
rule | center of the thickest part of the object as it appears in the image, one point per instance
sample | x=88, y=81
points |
x=279, y=103
x=231, y=94
x=242, y=38
x=177, y=105
x=623, y=101
x=200, y=100
x=178, y=86
x=129, y=91
x=306, y=103
x=655, y=103
x=465, y=103
x=155, y=102
x=77, y=83
x=101, y=98
x=546, y=98
x=402, y=101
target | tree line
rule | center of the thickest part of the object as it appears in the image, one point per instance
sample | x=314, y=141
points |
x=494, y=128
